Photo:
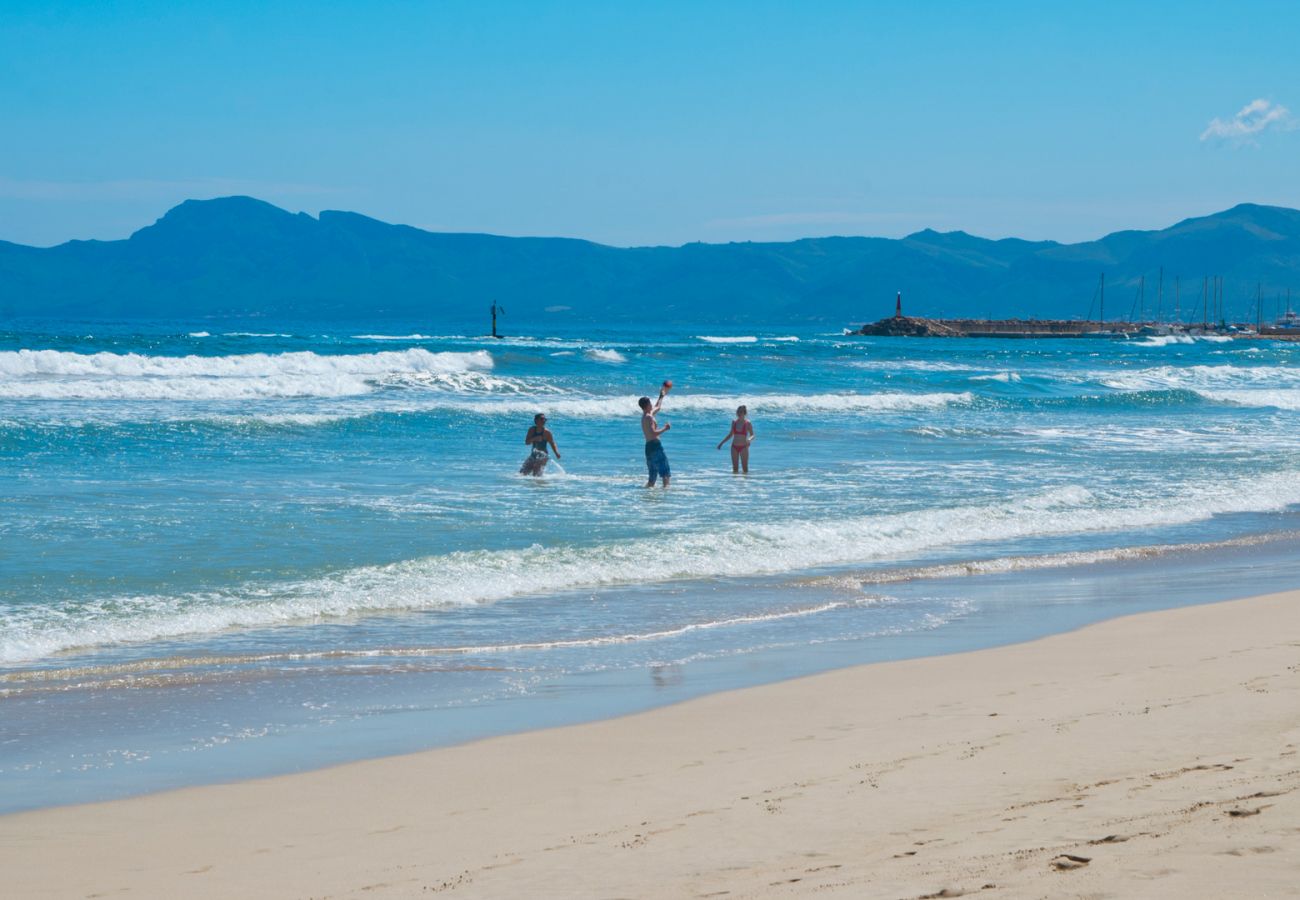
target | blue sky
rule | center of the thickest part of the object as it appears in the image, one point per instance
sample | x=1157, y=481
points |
x=650, y=123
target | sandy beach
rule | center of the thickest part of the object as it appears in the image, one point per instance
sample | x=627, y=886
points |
x=1152, y=756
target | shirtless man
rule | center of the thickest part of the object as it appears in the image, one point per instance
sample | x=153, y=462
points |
x=656, y=461
x=539, y=436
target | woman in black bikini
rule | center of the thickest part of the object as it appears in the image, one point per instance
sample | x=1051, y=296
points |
x=539, y=436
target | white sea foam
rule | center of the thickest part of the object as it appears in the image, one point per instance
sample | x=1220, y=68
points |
x=473, y=393
x=1252, y=386
x=918, y=365
x=604, y=355
x=197, y=334
x=742, y=339
x=1203, y=376
x=283, y=420
x=136, y=671
x=1005, y=377
x=56, y=374
x=786, y=339
x=611, y=407
x=393, y=337
x=1004, y=564
x=257, y=334
x=1165, y=340
x=1280, y=399
x=740, y=550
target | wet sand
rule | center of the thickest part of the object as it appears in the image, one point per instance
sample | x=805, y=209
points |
x=1152, y=756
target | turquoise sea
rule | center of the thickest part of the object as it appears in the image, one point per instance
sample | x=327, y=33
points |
x=229, y=551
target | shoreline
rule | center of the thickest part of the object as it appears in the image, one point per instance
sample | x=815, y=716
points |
x=1161, y=747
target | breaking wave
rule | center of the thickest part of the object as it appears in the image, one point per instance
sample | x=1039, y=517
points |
x=609, y=407
x=740, y=550
x=60, y=375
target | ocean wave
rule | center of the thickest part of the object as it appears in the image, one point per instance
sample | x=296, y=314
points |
x=740, y=550
x=471, y=393
x=1005, y=564
x=142, y=672
x=604, y=355
x=394, y=337
x=1165, y=340
x=611, y=407
x=1250, y=386
x=741, y=339
x=59, y=375
x=1281, y=399
x=1202, y=376
x=1169, y=340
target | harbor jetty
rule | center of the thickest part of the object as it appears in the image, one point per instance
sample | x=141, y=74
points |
x=899, y=325
x=912, y=326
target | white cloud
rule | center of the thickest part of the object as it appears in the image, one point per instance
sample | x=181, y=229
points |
x=1253, y=118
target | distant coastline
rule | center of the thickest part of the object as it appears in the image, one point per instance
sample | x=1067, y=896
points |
x=239, y=258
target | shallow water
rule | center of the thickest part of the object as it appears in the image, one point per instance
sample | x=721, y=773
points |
x=237, y=551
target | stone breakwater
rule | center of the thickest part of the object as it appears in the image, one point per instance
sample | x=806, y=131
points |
x=911, y=326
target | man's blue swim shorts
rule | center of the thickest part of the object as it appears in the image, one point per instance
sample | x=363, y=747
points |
x=656, y=461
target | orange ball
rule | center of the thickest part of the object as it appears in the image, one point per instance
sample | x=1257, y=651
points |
x=667, y=385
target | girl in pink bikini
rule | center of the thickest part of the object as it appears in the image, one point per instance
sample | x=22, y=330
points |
x=741, y=436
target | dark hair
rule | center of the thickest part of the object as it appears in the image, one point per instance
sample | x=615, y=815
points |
x=538, y=416
x=644, y=403
x=742, y=408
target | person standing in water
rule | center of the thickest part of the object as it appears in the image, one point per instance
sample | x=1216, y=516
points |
x=741, y=436
x=539, y=436
x=656, y=461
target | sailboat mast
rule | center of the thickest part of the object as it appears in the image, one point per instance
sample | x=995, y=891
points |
x=1160, y=294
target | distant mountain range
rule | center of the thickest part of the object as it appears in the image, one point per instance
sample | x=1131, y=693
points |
x=239, y=257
